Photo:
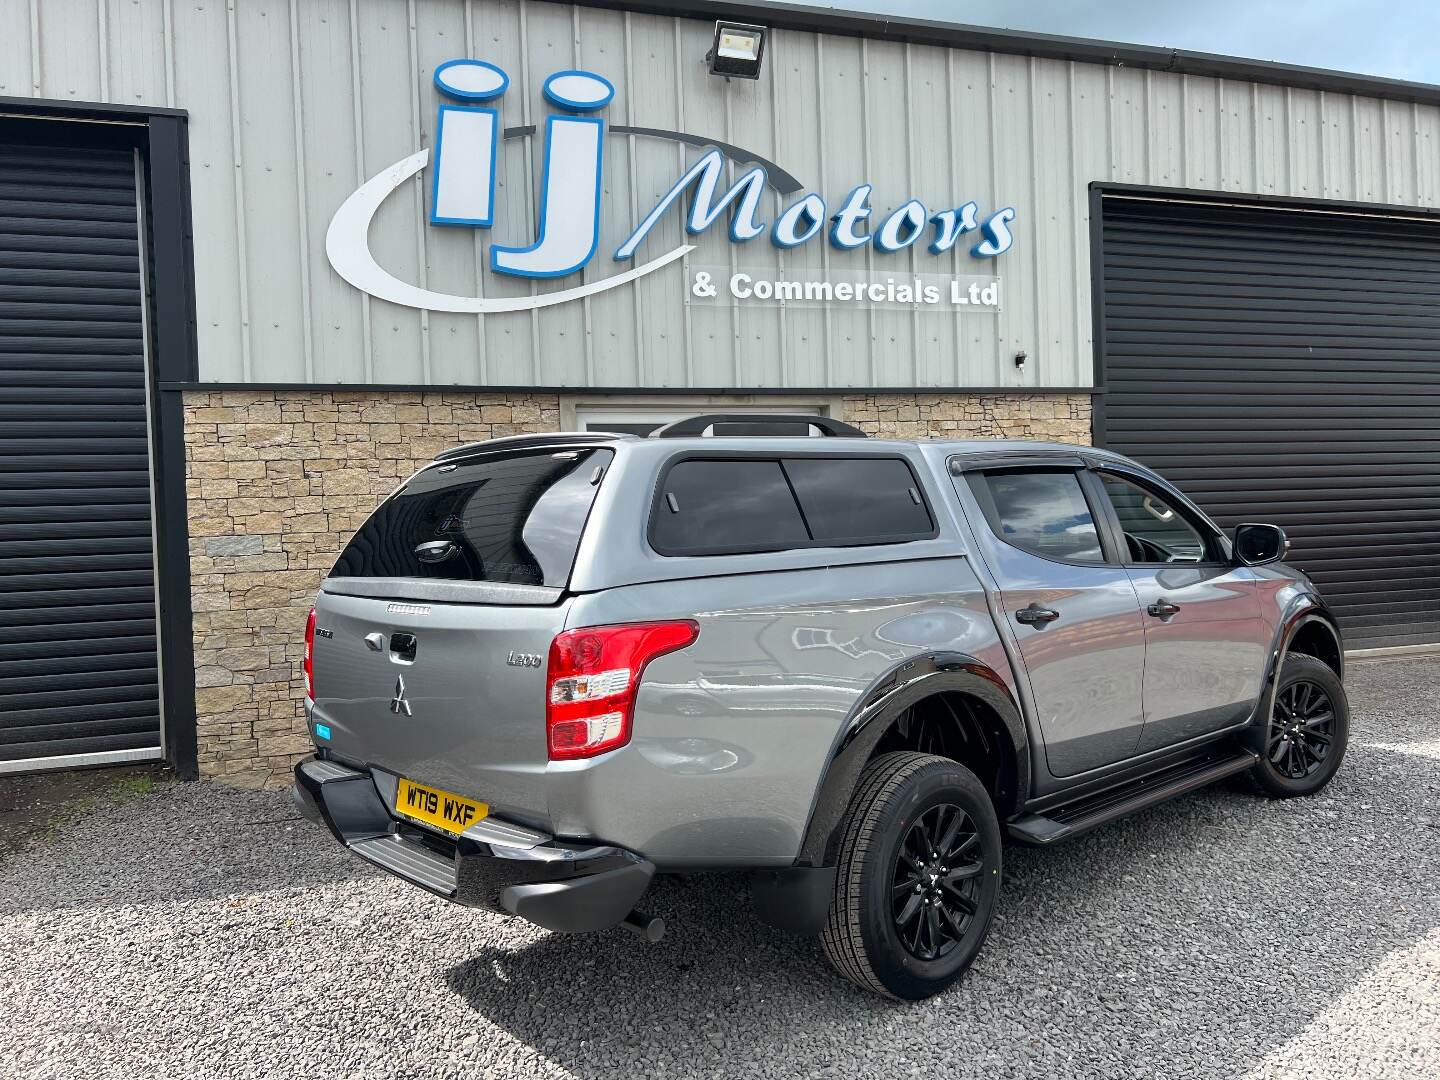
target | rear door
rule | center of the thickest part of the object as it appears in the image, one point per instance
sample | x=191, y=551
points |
x=1205, y=640
x=1074, y=616
x=433, y=628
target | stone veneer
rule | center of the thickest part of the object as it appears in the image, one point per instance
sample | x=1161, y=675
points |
x=278, y=480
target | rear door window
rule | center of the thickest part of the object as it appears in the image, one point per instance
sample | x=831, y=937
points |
x=515, y=519
x=1043, y=512
x=724, y=507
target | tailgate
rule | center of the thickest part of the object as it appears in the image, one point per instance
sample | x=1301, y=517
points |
x=451, y=695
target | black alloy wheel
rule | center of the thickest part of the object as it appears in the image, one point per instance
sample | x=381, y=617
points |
x=935, y=883
x=916, y=878
x=1300, y=729
x=1309, y=726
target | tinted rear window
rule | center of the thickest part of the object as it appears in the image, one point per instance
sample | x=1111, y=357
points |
x=515, y=519
x=859, y=500
x=719, y=507
x=746, y=505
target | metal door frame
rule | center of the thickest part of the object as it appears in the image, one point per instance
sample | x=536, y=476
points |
x=160, y=138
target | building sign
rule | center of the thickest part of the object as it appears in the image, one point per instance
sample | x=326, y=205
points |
x=801, y=288
x=469, y=138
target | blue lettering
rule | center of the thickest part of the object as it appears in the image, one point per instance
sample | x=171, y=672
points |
x=704, y=206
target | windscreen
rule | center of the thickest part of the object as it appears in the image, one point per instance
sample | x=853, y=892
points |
x=515, y=518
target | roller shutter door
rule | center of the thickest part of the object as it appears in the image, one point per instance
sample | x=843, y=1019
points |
x=1284, y=366
x=78, y=667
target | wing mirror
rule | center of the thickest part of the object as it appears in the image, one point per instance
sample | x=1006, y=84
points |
x=1257, y=545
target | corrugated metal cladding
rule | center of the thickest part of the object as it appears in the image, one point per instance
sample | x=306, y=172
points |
x=294, y=104
x=1284, y=366
x=78, y=671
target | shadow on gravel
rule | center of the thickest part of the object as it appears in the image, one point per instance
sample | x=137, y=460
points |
x=183, y=842
x=1194, y=939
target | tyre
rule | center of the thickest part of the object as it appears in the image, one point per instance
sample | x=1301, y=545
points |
x=917, y=876
x=1308, y=730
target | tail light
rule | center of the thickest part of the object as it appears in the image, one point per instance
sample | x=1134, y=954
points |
x=592, y=678
x=309, y=662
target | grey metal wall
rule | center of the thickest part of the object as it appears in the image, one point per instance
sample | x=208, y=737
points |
x=294, y=104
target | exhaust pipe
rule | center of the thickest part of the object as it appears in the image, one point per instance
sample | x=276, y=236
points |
x=649, y=927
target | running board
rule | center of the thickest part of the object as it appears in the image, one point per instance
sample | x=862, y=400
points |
x=1073, y=818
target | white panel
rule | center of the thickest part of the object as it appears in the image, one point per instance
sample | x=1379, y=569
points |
x=1427, y=120
x=647, y=333
x=1272, y=149
x=1305, y=148
x=1369, y=137
x=328, y=148
x=269, y=168
x=1237, y=136
x=1016, y=185
x=844, y=140
x=387, y=94
x=884, y=164
x=550, y=47
x=1050, y=224
x=1090, y=154
x=1399, y=120
x=932, y=180
x=974, y=159
x=509, y=339
x=15, y=75
x=1129, y=127
x=1165, y=123
x=611, y=355
x=760, y=347
x=1339, y=146
x=795, y=137
x=1202, y=132
x=135, y=52
x=72, y=60
x=451, y=250
x=202, y=85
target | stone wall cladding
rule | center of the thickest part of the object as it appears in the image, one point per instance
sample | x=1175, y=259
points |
x=1050, y=417
x=277, y=481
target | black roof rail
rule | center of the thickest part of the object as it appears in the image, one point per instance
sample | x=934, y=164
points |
x=696, y=425
x=520, y=442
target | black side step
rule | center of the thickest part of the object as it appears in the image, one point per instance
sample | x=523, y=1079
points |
x=1073, y=818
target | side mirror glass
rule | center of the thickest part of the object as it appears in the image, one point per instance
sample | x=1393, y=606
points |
x=1256, y=545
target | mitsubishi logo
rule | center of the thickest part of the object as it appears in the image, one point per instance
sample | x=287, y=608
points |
x=398, y=705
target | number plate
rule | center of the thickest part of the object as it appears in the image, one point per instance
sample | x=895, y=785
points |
x=449, y=813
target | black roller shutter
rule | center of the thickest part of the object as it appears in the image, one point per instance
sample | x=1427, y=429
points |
x=1283, y=365
x=78, y=668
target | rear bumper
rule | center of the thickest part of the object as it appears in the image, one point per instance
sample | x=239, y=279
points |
x=494, y=865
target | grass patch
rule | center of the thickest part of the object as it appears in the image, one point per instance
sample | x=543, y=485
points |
x=110, y=793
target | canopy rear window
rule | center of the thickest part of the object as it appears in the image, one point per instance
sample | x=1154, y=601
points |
x=515, y=518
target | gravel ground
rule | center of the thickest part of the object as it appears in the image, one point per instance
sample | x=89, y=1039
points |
x=205, y=932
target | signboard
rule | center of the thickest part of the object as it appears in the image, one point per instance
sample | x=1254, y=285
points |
x=470, y=136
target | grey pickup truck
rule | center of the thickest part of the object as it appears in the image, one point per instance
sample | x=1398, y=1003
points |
x=550, y=667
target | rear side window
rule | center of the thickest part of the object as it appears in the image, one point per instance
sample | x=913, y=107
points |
x=725, y=507
x=859, y=500
x=721, y=507
x=1041, y=512
x=515, y=519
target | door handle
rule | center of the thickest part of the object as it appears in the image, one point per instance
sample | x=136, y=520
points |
x=1162, y=609
x=1035, y=615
